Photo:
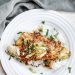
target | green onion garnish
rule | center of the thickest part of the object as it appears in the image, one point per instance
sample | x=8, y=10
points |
x=53, y=37
x=31, y=70
x=46, y=62
x=69, y=69
x=43, y=22
x=40, y=29
x=32, y=47
x=47, y=32
x=19, y=33
x=25, y=42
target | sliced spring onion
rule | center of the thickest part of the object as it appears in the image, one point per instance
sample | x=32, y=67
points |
x=19, y=33
x=40, y=29
x=47, y=32
x=31, y=46
x=53, y=37
x=46, y=62
x=25, y=41
x=43, y=22
x=69, y=69
x=31, y=69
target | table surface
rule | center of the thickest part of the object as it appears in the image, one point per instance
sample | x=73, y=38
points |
x=68, y=15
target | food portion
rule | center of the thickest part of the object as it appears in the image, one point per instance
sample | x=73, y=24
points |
x=36, y=47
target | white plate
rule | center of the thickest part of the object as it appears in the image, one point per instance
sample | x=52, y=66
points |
x=28, y=21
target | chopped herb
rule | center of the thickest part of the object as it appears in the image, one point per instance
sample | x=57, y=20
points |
x=69, y=69
x=27, y=49
x=25, y=41
x=9, y=57
x=53, y=37
x=43, y=22
x=32, y=70
x=47, y=32
x=46, y=62
x=19, y=33
x=40, y=29
x=20, y=61
x=59, y=60
x=17, y=59
x=31, y=46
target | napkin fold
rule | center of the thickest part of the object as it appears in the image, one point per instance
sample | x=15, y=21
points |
x=13, y=8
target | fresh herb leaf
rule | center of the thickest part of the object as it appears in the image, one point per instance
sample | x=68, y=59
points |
x=32, y=47
x=25, y=42
x=69, y=69
x=43, y=22
x=40, y=29
x=47, y=32
x=26, y=49
x=31, y=70
x=19, y=33
x=46, y=62
x=19, y=60
x=53, y=37
x=59, y=60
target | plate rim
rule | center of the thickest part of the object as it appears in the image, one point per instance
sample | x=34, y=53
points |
x=35, y=10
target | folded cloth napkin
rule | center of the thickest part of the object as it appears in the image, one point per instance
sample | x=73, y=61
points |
x=14, y=7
